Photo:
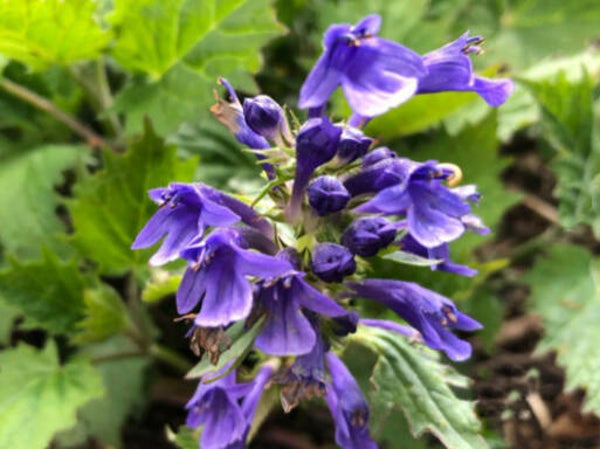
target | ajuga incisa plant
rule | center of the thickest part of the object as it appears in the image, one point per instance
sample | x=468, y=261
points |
x=291, y=269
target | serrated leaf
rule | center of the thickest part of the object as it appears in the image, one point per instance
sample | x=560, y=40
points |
x=111, y=206
x=406, y=378
x=185, y=45
x=565, y=291
x=44, y=32
x=28, y=201
x=126, y=393
x=105, y=314
x=35, y=388
x=48, y=291
x=242, y=341
x=572, y=127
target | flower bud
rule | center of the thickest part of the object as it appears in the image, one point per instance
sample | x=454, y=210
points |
x=353, y=144
x=331, y=262
x=377, y=155
x=266, y=118
x=327, y=194
x=367, y=235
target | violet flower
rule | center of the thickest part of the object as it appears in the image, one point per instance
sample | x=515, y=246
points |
x=375, y=74
x=326, y=194
x=353, y=144
x=348, y=407
x=450, y=68
x=216, y=277
x=184, y=214
x=434, y=212
x=428, y=312
x=331, y=262
x=287, y=330
x=367, y=235
x=266, y=118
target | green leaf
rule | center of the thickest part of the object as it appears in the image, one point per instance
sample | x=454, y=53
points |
x=161, y=287
x=28, y=201
x=36, y=389
x=242, y=341
x=565, y=291
x=413, y=380
x=105, y=314
x=410, y=259
x=185, y=438
x=185, y=45
x=111, y=206
x=125, y=381
x=44, y=32
x=572, y=127
x=48, y=291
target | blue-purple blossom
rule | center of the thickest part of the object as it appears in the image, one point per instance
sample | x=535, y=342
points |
x=326, y=194
x=376, y=175
x=316, y=144
x=331, y=262
x=434, y=212
x=353, y=144
x=287, y=330
x=367, y=235
x=377, y=155
x=216, y=277
x=226, y=409
x=348, y=407
x=433, y=315
x=184, y=214
x=266, y=118
x=442, y=252
x=375, y=74
x=450, y=68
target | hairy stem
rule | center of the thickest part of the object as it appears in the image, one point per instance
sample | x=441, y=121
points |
x=92, y=139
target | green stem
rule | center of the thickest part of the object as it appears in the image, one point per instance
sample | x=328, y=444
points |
x=106, y=99
x=170, y=357
x=92, y=139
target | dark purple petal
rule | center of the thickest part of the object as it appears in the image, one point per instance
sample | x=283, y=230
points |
x=367, y=235
x=353, y=144
x=266, y=118
x=331, y=262
x=391, y=326
x=326, y=194
x=190, y=290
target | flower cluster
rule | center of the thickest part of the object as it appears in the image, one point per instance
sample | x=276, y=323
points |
x=297, y=271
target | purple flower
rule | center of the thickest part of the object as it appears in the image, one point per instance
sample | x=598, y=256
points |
x=326, y=194
x=266, y=118
x=226, y=409
x=450, y=68
x=434, y=212
x=353, y=144
x=367, y=235
x=331, y=262
x=216, y=277
x=316, y=144
x=307, y=377
x=442, y=252
x=376, y=175
x=287, y=330
x=231, y=114
x=348, y=407
x=428, y=312
x=377, y=155
x=375, y=74
x=184, y=214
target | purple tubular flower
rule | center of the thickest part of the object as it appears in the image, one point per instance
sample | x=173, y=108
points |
x=287, y=330
x=377, y=155
x=316, y=144
x=353, y=144
x=450, y=68
x=184, y=214
x=367, y=235
x=266, y=118
x=434, y=212
x=331, y=262
x=376, y=176
x=217, y=406
x=216, y=276
x=409, y=244
x=232, y=116
x=428, y=312
x=348, y=407
x=375, y=74
x=326, y=194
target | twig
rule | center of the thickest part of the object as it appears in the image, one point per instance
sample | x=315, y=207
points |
x=542, y=208
x=92, y=139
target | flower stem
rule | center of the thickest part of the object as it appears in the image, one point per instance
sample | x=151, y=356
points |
x=92, y=139
x=169, y=357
